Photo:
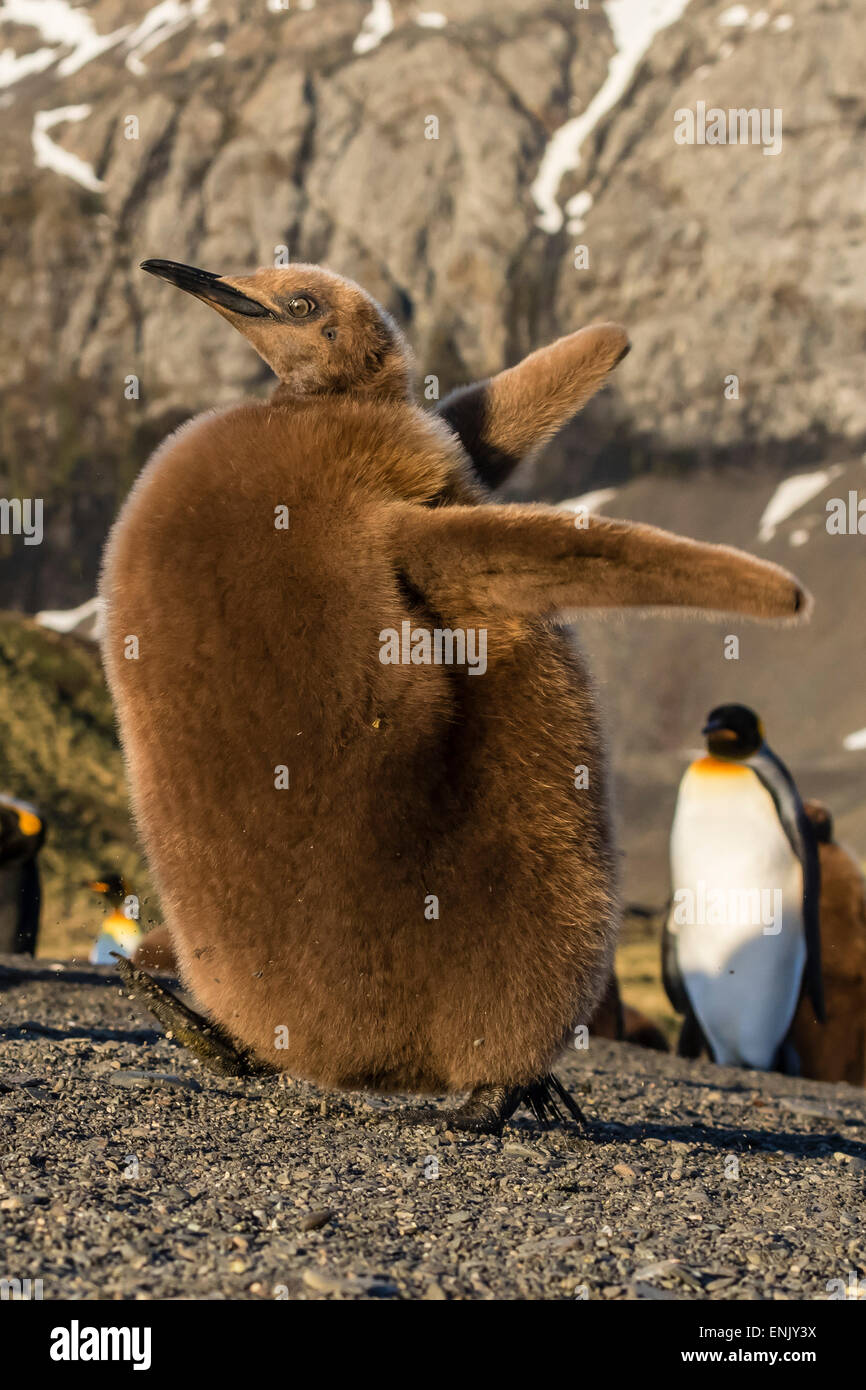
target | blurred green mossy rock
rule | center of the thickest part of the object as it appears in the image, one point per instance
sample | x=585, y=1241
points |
x=59, y=749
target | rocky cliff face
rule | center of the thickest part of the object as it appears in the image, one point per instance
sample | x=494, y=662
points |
x=221, y=132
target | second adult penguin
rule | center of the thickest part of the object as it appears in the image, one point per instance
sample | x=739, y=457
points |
x=22, y=835
x=742, y=937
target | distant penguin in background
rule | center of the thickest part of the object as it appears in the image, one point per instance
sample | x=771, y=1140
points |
x=742, y=937
x=378, y=873
x=836, y=1049
x=121, y=933
x=620, y=1022
x=22, y=835
x=155, y=951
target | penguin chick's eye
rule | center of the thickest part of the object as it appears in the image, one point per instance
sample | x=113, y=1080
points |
x=301, y=307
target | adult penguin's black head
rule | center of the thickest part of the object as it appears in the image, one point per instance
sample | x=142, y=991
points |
x=733, y=731
x=113, y=886
x=22, y=829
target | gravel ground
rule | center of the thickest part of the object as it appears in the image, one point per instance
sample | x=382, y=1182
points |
x=128, y=1172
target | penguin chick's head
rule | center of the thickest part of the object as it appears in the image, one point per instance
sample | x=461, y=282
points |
x=319, y=333
x=822, y=821
x=113, y=886
x=733, y=731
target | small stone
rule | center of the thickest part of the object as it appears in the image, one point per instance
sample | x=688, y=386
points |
x=850, y=1161
x=144, y=1079
x=314, y=1220
x=322, y=1281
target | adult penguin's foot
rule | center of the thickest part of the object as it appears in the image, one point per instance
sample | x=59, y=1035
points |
x=206, y=1040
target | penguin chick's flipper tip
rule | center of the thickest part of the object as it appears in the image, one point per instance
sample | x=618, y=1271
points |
x=509, y=417
x=488, y=1108
x=204, y=1039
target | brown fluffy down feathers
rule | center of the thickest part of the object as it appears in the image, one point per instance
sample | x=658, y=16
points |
x=430, y=903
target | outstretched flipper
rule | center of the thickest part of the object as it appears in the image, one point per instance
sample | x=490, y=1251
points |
x=488, y=1107
x=535, y=562
x=210, y=1043
x=508, y=417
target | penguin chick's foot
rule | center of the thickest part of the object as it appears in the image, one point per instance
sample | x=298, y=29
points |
x=204, y=1039
x=488, y=1107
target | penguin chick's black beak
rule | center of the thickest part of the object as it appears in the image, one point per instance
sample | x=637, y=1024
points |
x=207, y=286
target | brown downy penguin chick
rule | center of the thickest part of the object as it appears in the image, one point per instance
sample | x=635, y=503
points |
x=375, y=866
x=836, y=1049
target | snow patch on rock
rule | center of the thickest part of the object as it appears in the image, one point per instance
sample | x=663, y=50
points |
x=162, y=22
x=590, y=501
x=635, y=24
x=378, y=24
x=792, y=494
x=58, y=23
x=86, y=620
x=49, y=155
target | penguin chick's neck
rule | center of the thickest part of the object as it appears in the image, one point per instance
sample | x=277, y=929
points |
x=394, y=383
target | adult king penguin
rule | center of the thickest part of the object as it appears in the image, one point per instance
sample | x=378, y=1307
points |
x=22, y=835
x=742, y=937
x=121, y=933
x=379, y=874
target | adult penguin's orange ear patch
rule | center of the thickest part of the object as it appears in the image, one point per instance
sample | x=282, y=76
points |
x=28, y=823
x=510, y=416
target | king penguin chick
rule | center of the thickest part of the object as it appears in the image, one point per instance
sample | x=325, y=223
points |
x=378, y=874
x=742, y=937
x=121, y=933
x=836, y=1049
x=22, y=835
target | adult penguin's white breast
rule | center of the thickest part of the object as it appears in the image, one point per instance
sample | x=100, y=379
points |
x=737, y=912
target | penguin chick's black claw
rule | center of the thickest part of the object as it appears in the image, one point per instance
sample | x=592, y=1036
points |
x=542, y=1097
x=204, y=1039
x=488, y=1108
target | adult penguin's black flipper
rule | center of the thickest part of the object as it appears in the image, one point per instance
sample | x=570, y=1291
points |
x=672, y=979
x=801, y=835
x=29, y=903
